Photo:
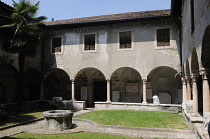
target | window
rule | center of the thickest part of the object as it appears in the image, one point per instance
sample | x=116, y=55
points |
x=89, y=42
x=125, y=40
x=56, y=44
x=163, y=37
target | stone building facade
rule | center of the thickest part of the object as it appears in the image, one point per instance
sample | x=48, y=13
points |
x=116, y=58
x=195, y=53
x=195, y=57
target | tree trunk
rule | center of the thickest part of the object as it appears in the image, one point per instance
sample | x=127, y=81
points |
x=21, y=64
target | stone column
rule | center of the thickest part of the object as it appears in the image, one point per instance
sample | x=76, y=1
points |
x=195, y=95
x=206, y=95
x=144, y=91
x=108, y=91
x=184, y=91
x=42, y=89
x=72, y=90
x=188, y=89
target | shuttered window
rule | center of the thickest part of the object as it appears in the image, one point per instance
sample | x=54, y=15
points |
x=163, y=37
x=90, y=42
x=56, y=44
x=125, y=40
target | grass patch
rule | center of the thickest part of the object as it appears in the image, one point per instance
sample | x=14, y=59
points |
x=18, y=117
x=71, y=136
x=131, y=118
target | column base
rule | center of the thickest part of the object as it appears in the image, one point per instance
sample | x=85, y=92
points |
x=184, y=106
x=108, y=101
x=73, y=100
x=196, y=115
x=144, y=102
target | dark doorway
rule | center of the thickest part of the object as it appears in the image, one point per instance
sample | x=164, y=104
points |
x=100, y=90
x=200, y=95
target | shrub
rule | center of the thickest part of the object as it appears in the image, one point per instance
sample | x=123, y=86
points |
x=50, y=105
x=3, y=114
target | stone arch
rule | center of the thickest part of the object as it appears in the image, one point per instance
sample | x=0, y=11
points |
x=194, y=62
x=32, y=85
x=205, y=57
x=8, y=84
x=90, y=86
x=126, y=85
x=164, y=82
x=57, y=83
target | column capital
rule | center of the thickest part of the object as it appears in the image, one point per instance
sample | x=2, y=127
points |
x=204, y=74
x=194, y=77
x=187, y=79
x=72, y=80
x=108, y=80
x=144, y=81
x=183, y=80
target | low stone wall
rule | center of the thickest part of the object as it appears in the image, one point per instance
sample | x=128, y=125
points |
x=71, y=105
x=138, y=106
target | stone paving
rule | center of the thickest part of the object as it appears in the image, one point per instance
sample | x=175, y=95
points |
x=80, y=125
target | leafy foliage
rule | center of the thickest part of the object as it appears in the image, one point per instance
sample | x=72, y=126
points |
x=26, y=31
x=51, y=105
x=3, y=113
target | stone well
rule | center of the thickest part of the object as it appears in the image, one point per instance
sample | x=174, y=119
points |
x=58, y=119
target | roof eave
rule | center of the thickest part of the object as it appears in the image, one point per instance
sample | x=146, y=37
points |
x=104, y=22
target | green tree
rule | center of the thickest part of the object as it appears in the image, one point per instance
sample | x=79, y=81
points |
x=24, y=34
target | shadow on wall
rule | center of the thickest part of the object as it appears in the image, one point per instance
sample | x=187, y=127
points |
x=163, y=83
x=8, y=83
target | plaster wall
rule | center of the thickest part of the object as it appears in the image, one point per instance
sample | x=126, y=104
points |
x=107, y=58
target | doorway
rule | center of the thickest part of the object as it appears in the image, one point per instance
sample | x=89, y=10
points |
x=100, y=91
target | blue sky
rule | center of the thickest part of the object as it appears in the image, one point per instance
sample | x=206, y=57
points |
x=66, y=9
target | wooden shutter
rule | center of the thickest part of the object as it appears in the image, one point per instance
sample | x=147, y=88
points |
x=125, y=39
x=56, y=44
x=163, y=37
x=90, y=42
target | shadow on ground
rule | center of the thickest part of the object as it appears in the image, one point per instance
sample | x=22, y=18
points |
x=18, y=117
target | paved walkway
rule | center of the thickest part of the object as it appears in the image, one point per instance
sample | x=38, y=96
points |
x=89, y=126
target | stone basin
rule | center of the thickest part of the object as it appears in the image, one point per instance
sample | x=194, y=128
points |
x=58, y=119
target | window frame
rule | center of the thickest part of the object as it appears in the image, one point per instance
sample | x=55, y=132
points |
x=96, y=42
x=118, y=41
x=155, y=38
x=51, y=45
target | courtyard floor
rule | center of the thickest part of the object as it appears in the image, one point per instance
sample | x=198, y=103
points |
x=80, y=125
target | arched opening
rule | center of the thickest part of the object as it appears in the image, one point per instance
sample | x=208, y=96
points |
x=90, y=86
x=195, y=71
x=57, y=84
x=126, y=85
x=32, y=85
x=194, y=62
x=183, y=71
x=8, y=84
x=165, y=82
x=187, y=69
x=205, y=57
x=205, y=60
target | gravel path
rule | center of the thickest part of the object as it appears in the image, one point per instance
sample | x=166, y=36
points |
x=89, y=126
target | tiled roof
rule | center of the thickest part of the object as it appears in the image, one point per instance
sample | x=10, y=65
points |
x=120, y=16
